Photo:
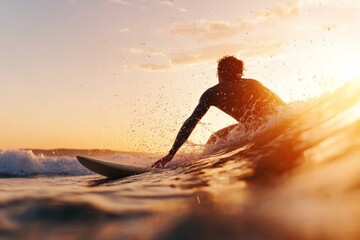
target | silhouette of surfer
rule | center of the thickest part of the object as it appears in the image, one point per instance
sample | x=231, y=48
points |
x=246, y=100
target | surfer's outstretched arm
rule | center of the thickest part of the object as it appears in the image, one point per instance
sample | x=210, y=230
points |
x=185, y=132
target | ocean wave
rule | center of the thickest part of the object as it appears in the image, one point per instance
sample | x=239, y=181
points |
x=298, y=174
x=22, y=163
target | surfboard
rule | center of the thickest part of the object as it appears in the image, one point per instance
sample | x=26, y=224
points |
x=110, y=169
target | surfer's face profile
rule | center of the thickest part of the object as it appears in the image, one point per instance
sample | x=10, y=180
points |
x=230, y=69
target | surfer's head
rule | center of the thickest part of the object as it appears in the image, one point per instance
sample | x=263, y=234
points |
x=230, y=69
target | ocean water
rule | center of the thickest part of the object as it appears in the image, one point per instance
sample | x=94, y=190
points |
x=295, y=177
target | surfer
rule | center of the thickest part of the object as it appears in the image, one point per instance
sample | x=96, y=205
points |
x=246, y=100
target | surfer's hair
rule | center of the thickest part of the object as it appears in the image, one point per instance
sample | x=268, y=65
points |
x=230, y=69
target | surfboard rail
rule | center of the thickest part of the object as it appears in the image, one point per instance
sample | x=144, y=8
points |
x=110, y=169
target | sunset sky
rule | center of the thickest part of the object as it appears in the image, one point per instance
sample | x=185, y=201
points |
x=124, y=75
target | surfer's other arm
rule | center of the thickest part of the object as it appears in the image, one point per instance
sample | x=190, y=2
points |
x=185, y=131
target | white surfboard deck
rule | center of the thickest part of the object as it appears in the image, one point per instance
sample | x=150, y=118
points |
x=111, y=169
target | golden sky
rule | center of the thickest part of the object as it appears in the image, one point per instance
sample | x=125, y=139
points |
x=124, y=75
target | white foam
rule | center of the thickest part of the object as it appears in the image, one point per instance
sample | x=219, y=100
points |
x=25, y=163
x=244, y=135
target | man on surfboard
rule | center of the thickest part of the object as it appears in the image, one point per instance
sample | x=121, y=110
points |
x=246, y=100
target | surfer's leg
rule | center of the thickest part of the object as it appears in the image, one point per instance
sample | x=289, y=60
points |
x=221, y=134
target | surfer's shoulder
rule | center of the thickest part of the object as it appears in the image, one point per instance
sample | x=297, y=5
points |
x=250, y=81
x=208, y=95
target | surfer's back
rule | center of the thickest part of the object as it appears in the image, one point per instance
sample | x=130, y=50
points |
x=244, y=99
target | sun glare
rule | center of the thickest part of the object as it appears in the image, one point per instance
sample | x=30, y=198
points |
x=347, y=72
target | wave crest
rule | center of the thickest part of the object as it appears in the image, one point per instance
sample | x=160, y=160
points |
x=21, y=163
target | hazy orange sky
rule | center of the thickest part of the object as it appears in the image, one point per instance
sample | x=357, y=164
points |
x=124, y=75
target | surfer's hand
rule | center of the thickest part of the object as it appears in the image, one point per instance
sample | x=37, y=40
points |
x=163, y=161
